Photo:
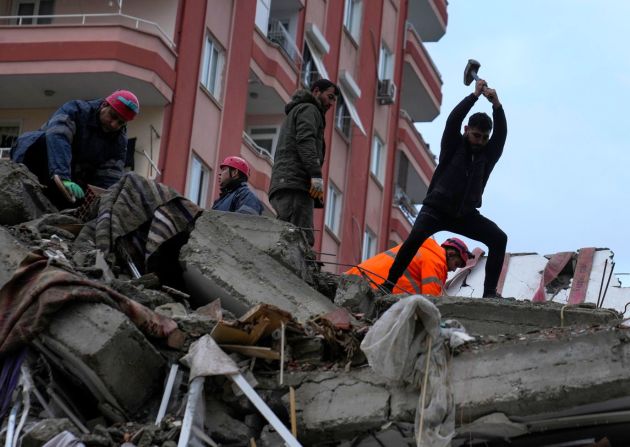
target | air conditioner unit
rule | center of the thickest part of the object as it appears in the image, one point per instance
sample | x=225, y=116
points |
x=386, y=91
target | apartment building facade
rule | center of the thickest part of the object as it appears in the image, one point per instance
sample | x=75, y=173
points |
x=213, y=77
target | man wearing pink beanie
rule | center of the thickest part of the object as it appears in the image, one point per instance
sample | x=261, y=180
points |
x=84, y=142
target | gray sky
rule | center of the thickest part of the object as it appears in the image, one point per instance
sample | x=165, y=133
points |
x=561, y=69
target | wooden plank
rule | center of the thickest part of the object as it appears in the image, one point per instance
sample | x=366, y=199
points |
x=582, y=274
x=261, y=352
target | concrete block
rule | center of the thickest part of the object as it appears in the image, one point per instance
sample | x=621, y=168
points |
x=354, y=293
x=46, y=429
x=508, y=316
x=335, y=406
x=11, y=254
x=542, y=373
x=222, y=264
x=21, y=196
x=280, y=240
x=106, y=351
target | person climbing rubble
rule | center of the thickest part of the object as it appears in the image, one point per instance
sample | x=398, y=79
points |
x=235, y=194
x=83, y=142
x=454, y=195
x=426, y=273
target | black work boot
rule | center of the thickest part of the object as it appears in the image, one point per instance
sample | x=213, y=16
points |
x=491, y=294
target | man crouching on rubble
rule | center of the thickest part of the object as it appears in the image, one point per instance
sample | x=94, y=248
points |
x=427, y=271
x=84, y=142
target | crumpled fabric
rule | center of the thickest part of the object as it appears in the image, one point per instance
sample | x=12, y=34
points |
x=397, y=348
x=39, y=288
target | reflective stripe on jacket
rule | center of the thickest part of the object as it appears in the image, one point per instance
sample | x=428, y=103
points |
x=425, y=275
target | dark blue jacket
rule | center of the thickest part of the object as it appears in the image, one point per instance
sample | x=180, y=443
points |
x=77, y=147
x=238, y=199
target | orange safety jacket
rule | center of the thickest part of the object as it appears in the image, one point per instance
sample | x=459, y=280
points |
x=425, y=275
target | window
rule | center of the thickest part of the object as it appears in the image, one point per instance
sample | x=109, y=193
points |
x=265, y=138
x=352, y=17
x=333, y=209
x=198, y=182
x=369, y=245
x=310, y=73
x=376, y=161
x=343, y=120
x=212, y=67
x=8, y=134
x=385, y=63
x=34, y=8
x=263, y=8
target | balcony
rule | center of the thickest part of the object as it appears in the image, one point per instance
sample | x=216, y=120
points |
x=422, y=84
x=46, y=60
x=412, y=143
x=429, y=17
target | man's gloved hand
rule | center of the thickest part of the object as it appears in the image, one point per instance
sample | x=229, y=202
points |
x=317, y=189
x=74, y=189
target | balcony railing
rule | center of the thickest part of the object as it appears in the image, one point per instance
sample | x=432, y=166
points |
x=261, y=151
x=89, y=19
x=405, y=205
x=277, y=33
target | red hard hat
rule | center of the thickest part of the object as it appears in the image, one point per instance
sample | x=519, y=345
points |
x=460, y=246
x=236, y=163
x=124, y=103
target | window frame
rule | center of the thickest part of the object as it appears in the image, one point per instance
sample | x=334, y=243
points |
x=385, y=63
x=352, y=15
x=198, y=184
x=343, y=119
x=377, y=168
x=274, y=137
x=370, y=244
x=332, y=215
x=8, y=124
x=36, y=11
x=209, y=64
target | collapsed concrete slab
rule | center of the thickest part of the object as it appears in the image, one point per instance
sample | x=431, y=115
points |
x=21, y=196
x=280, y=240
x=106, y=351
x=542, y=373
x=11, y=254
x=219, y=263
x=509, y=316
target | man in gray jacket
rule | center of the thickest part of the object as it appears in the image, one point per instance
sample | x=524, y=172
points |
x=296, y=178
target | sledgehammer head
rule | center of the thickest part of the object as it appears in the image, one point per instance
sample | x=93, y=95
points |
x=470, y=72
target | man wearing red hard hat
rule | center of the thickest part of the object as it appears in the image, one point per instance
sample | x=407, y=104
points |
x=83, y=142
x=235, y=194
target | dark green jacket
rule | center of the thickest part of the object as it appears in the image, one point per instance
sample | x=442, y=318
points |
x=300, y=151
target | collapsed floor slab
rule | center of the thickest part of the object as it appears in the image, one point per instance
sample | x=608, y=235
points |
x=104, y=349
x=280, y=240
x=221, y=264
x=508, y=316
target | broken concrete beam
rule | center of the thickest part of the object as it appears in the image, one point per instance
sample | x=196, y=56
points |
x=280, y=240
x=508, y=316
x=221, y=264
x=12, y=253
x=542, y=373
x=21, y=196
x=106, y=351
x=354, y=293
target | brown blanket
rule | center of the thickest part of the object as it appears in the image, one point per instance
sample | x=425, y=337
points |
x=37, y=290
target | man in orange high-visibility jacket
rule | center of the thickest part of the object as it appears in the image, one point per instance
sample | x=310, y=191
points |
x=426, y=274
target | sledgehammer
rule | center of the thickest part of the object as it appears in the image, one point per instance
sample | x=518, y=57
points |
x=470, y=72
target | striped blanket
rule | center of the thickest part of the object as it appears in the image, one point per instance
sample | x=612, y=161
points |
x=143, y=212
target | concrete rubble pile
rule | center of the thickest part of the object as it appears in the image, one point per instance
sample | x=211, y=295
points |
x=93, y=345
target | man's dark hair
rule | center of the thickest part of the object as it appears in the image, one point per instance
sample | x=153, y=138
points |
x=324, y=84
x=481, y=121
